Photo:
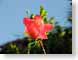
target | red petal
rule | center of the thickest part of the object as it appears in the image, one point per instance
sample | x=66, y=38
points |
x=42, y=36
x=25, y=19
x=37, y=18
x=47, y=27
x=33, y=32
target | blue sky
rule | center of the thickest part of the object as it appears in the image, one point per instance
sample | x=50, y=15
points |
x=13, y=11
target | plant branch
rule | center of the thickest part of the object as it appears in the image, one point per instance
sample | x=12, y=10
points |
x=41, y=43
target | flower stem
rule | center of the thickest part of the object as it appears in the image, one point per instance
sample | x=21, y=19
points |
x=41, y=43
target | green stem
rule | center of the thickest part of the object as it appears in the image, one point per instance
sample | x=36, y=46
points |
x=29, y=47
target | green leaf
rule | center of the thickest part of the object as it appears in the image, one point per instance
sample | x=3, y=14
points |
x=42, y=11
x=62, y=34
x=45, y=19
x=32, y=16
x=51, y=20
x=13, y=46
x=30, y=44
x=37, y=44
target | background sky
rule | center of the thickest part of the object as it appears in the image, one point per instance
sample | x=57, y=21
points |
x=12, y=13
